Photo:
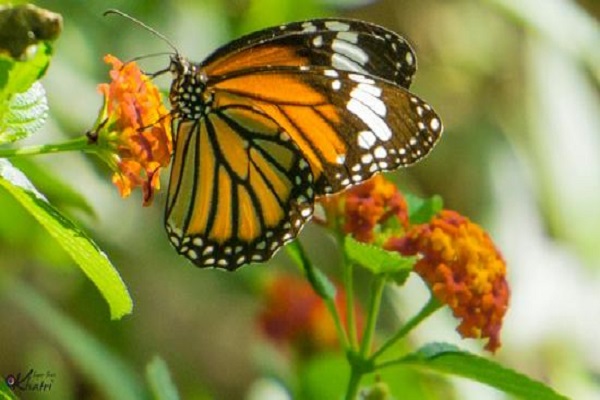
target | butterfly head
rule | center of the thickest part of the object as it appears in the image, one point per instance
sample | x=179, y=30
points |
x=188, y=95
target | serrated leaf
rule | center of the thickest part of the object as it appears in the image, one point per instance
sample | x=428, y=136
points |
x=420, y=210
x=317, y=279
x=92, y=261
x=24, y=114
x=159, y=378
x=449, y=359
x=378, y=260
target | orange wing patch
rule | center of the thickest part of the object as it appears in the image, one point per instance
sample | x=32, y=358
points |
x=249, y=227
x=222, y=220
x=182, y=180
x=242, y=191
x=205, y=166
x=319, y=132
x=272, y=87
x=260, y=56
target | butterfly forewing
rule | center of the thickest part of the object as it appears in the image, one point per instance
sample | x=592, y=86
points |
x=342, y=44
x=348, y=126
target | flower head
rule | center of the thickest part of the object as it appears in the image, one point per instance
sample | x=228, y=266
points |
x=463, y=269
x=295, y=316
x=366, y=207
x=133, y=129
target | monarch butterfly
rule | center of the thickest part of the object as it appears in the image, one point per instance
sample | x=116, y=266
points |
x=277, y=118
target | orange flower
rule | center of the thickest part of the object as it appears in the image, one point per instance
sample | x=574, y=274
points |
x=464, y=270
x=366, y=207
x=294, y=315
x=133, y=130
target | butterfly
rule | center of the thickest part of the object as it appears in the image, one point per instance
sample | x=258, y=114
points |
x=275, y=119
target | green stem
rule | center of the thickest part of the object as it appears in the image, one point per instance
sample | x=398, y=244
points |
x=78, y=144
x=374, y=304
x=353, y=384
x=330, y=304
x=429, y=308
x=317, y=284
x=348, y=276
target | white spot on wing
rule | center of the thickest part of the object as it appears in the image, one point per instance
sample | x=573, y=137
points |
x=375, y=123
x=338, y=61
x=361, y=79
x=380, y=152
x=351, y=37
x=369, y=96
x=309, y=27
x=351, y=51
x=337, y=26
x=366, y=140
x=366, y=158
x=318, y=41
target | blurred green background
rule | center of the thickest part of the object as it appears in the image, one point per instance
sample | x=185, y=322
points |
x=517, y=86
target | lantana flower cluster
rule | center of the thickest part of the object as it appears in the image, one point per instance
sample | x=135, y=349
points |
x=365, y=209
x=458, y=260
x=133, y=130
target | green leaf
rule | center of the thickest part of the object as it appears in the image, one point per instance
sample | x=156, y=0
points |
x=420, y=210
x=94, y=360
x=22, y=74
x=5, y=392
x=378, y=260
x=318, y=280
x=24, y=114
x=23, y=105
x=76, y=243
x=59, y=193
x=447, y=358
x=160, y=380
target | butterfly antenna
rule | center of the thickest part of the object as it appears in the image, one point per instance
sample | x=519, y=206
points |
x=143, y=25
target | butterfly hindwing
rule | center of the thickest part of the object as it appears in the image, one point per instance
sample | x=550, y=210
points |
x=239, y=189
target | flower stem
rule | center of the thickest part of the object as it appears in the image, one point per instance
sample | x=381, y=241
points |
x=348, y=270
x=321, y=287
x=338, y=322
x=77, y=144
x=353, y=384
x=359, y=362
x=374, y=304
x=429, y=308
